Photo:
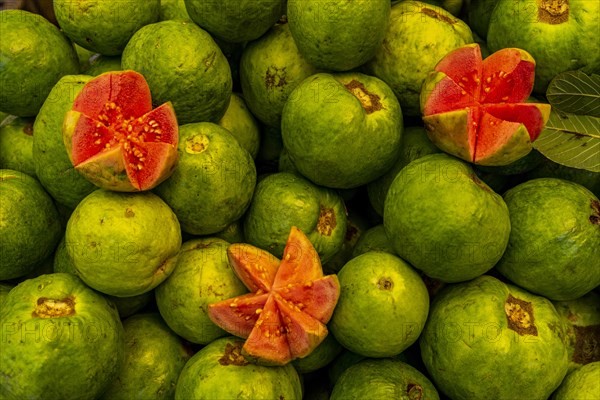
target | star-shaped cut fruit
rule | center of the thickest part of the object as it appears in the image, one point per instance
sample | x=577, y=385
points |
x=285, y=315
x=115, y=139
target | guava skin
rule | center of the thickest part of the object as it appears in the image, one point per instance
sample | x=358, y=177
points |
x=26, y=79
x=104, y=27
x=583, y=383
x=240, y=122
x=560, y=35
x=355, y=130
x=270, y=68
x=202, y=276
x=123, y=244
x=554, y=244
x=418, y=36
x=220, y=362
x=320, y=357
x=550, y=169
x=214, y=180
x=182, y=64
x=173, y=9
x=53, y=167
x=338, y=36
x=483, y=326
x=383, y=379
x=30, y=228
x=442, y=219
x=16, y=145
x=153, y=359
x=99, y=64
x=373, y=317
x=374, y=239
x=235, y=20
x=479, y=13
x=61, y=340
x=283, y=200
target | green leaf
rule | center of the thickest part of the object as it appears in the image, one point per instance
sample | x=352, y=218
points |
x=575, y=92
x=571, y=140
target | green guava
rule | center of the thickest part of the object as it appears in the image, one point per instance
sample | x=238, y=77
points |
x=202, y=276
x=83, y=55
x=235, y=20
x=582, y=321
x=60, y=340
x=419, y=35
x=126, y=306
x=99, y=64
x=283, y=200
x=414, y=144
x=220, y=371
x=154, y=358
x=479, y=13
x=214, y=180
x=356, y=225
x=383, y=379
x=341, y=35
x=383, y=305
x=123, y=244
x=16, y=145
x=173, y=9
x=583, y=383
x=442, y=219
x=270, y=149
x=240, y=122
x=320, y=357
x=521, y=166
x=270, y=68
x=559, y=34
x=234, y=233
x=354, y=132
x=104, y=27
x=26, y=78
x=182, y=64
x=550, y=169
x=5, y=288
x=374, y=239
x=30, y=227
x=554, y=244
x=53, y=167
x=476, y=329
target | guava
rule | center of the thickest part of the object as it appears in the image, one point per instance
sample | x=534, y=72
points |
x=202, y=276
x=525, y=164
x=123, y=244
x=233, y=233
x=583, y=383
x=126, y=306
x=550, y=169
x=104, y=27
x=270, y=149
x=476, y=329
x=283, y=200
x=220, y=371
x=182, y=64
x=235, y=20
x=30, y=228
x=60, y=340
x=582, y=320
x=383, y=379
x=214, y=180
x=479, y=13
x=338, y=36
x=99, y=64
x=173, y=9
x=27, y=77
x=320, y=357
x=554, y=244
x=16, y=145
x=270, y=68
x=240, y=122
x=354, y=132
x=153, y=359
x=284, y=316
x=414, y=144
x=53, y=167
x=83, y=55
x=383, y=305
x=477, y=109
x=356, y=225
x=115, y=139
x=5, y=288
x=559, y=34
x=418, y=36
x=374, y=239
x=442, y=219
